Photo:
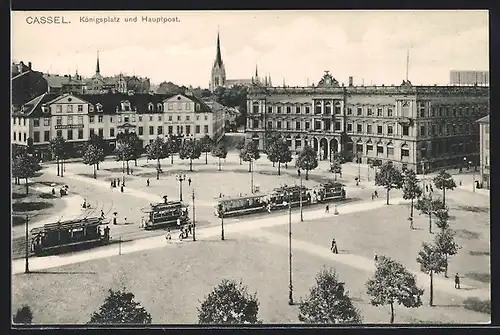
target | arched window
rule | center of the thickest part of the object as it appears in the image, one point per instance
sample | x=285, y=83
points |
x=317, y=109
x=160, y=107
x=255, y=108
x=328, y=108
x=150, y=106
x=405, y=151
x=390, y=149
x=99, y=107
x=338, y=108
x=298, y=142
x=359, y=146
x=369, y=147
x=405, y=109
x=380, y=148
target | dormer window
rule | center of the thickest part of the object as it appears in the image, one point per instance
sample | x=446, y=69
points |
x=45, y=109
x=160, y=107
x=150, y=106
x=99, y=107
x=91, y=108
x=125, y=105
x=197, y=107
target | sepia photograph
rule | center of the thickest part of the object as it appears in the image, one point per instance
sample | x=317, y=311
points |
x=263, y=167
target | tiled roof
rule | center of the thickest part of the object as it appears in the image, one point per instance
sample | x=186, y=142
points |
x=485, y=119
x=33, y=108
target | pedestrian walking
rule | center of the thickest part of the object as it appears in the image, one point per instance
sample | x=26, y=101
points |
x=411, y=222
x=298, y=172
x=427, y=188
x=327, y=209
x=375, y=194
x=118, y=182
x=457, y=281
x=375, y=258
x=168, y=236
x=125, y=219
x=189, y=181
x=334, y=247
x=53, y=191
x=147, y=182
x=111, y=185
x=102, y=214
x=432, y=190
x=190, y=228
x=286, y=165
x=114, y=218
x=121, y=188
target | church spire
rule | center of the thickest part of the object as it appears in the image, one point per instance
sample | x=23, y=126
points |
x=218, y=57
x=97, y=69
x=256, y=73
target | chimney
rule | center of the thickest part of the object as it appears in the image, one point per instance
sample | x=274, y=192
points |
x=29, y=65
x=350, y=81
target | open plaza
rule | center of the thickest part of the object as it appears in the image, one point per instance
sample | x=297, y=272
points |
x=171, y=278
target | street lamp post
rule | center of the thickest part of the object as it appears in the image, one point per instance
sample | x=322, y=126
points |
x=359, y=168
x=301, y=215
x=251, y=177
x=423, y=175
x=221, y=213
x=26, y=264
x=290, y=283
x=180, y=178
x=194, y=219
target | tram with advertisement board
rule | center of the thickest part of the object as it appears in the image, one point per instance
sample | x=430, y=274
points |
x=173, y=214
x=69, y=235
x=240, y=205
x=279, y=197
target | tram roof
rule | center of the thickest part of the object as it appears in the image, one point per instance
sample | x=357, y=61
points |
x=243, y=196
x=70, y=224
x=331, y=184
x=169, y=204
x=289, y=188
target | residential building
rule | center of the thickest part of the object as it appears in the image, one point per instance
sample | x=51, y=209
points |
x=76, y=117
x=65, y=84
x=484, y=150
x=405, y=124
x=26, y=84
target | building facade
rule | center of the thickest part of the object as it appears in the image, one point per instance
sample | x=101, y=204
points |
x=77, y=117
x=26, y=84
x=404, y=124
x=484, y=150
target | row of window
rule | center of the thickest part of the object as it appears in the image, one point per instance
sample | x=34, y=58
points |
x=299, y=125
x=100, y=119
x=379, y=112
x=405, y=152
x=378, y=128
x=448, y=111
x=448, y=129
x=69, y=108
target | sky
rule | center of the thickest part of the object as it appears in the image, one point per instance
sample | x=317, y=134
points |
x=294, y=47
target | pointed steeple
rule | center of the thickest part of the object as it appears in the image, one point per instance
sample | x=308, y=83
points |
x=97, y=68
x=270, y=82
x=265, y=81
x=283, y=82
x=256, y=73
x=218, y=57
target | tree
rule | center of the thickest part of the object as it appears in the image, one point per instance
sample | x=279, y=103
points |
x=229, y=303
x=250, y=153
x=444, y=181
x=220, y=151
x=124, y=152
x=190, y=149
x=279, y=152
x=120, y=307
x=99, y=142
x=336, y=167
x=307, y=160
x=328, y=302
x=431, y=261
x=23, y=316
x=340, y=156
x=389, y=177
x=235, y=96
x=207, y=145
x=92, y=156
x=393, y=284
x=137, y=146
x=171, y=146
x=58, y=148
x=442, y=218
x=240, y=146
x=445, y=243
x=411, y=190
x=156, y=151
x=428, y=206
x=24, y=166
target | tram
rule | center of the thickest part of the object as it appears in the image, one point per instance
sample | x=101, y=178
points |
x=240, y=205
x=280, y=196
x=330, y=191
x=278, y=199
x=165, y=214
x=69, y=235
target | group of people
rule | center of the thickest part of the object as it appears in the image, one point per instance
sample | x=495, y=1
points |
x=116, y=183
x=185, y=231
